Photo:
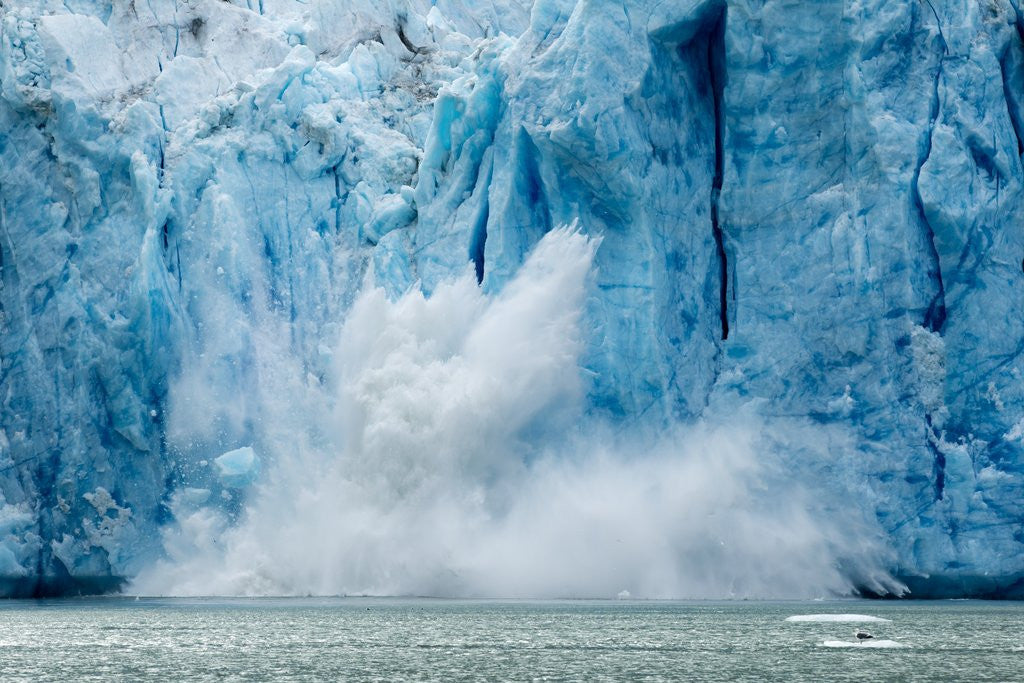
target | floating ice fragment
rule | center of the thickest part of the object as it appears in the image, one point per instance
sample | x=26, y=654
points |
x=195, y=496
x=238, y=468
x=844, y=618
x=882, y=644
x=101, y=500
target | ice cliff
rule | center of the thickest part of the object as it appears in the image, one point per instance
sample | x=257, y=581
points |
x=811, y=212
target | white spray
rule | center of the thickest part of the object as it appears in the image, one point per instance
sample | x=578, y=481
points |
x=453, y=458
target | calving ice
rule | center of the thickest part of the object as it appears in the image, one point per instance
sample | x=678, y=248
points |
x=455, y=455
x=553, y=298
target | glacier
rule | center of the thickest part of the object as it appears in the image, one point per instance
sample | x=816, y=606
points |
x=561, y=297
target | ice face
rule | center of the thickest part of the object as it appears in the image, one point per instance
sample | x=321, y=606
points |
x=809, y=211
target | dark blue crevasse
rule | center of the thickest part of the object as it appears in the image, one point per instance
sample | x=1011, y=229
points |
x=935, y=316
x=940, y=460
x=716, y=72
x=478, y=238
x=708, y=45
x=1013, y=92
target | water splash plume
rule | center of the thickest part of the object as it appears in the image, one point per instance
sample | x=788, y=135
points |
x=449, y=454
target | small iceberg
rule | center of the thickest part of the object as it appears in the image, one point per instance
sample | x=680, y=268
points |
x=833, y=618
x=883, y=644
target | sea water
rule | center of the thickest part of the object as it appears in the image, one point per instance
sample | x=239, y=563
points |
x=426, y=639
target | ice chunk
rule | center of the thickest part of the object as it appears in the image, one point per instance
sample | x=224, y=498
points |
x=841, y=618
x=238, y=468
x=882, y=644
x=9, y=565
x=184, y=85
x=83, y=55
x=194, y=496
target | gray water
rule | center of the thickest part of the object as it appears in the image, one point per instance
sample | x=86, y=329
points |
x=424, y=639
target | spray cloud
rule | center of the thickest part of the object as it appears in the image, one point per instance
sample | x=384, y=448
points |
x=450, y=454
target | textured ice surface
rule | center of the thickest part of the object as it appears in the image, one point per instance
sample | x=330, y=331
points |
x=812, y=210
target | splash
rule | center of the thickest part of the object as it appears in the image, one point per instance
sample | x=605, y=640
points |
x=452, y=457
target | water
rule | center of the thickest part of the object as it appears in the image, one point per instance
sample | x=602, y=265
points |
x=423, y=639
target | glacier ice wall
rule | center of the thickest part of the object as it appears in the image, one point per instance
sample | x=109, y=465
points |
x=811, y=210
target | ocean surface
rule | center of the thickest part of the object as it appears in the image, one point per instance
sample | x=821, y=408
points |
x=425, y=639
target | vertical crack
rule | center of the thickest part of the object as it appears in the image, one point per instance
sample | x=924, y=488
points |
x=478, y=239
x=1014, y=105
x=935, y=445
x=716, y=72
x=164, y=137
x=339, y=200
x=177, y=31
x=935, y=316
x=177, y=252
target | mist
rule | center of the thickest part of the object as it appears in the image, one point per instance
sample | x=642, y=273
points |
x=448, y=453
